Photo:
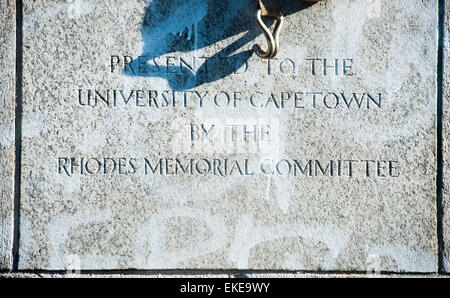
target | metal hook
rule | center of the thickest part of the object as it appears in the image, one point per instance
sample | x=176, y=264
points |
x=272, y=39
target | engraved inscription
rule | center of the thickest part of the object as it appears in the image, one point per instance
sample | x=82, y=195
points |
x=160, y=99
x=71, y=166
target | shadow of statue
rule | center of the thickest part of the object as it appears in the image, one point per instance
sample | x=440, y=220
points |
x=185, y=26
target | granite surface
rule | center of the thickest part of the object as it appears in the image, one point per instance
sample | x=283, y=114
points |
x=232, y=274
x=446, y=139
x=7, y=107
x=154, y=139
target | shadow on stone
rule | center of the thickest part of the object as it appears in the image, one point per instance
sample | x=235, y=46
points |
x=185, y=26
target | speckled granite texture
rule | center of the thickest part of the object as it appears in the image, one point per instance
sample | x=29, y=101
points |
x=446, y=138
x=7, y=107
x=153, y=137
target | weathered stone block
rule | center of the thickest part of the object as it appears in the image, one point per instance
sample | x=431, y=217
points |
x=446, y=139
x=7, y=108
x=154, y=139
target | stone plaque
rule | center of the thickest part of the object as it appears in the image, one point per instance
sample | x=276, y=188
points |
x=446, y=140
x=153, y=137
x=7, y=106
